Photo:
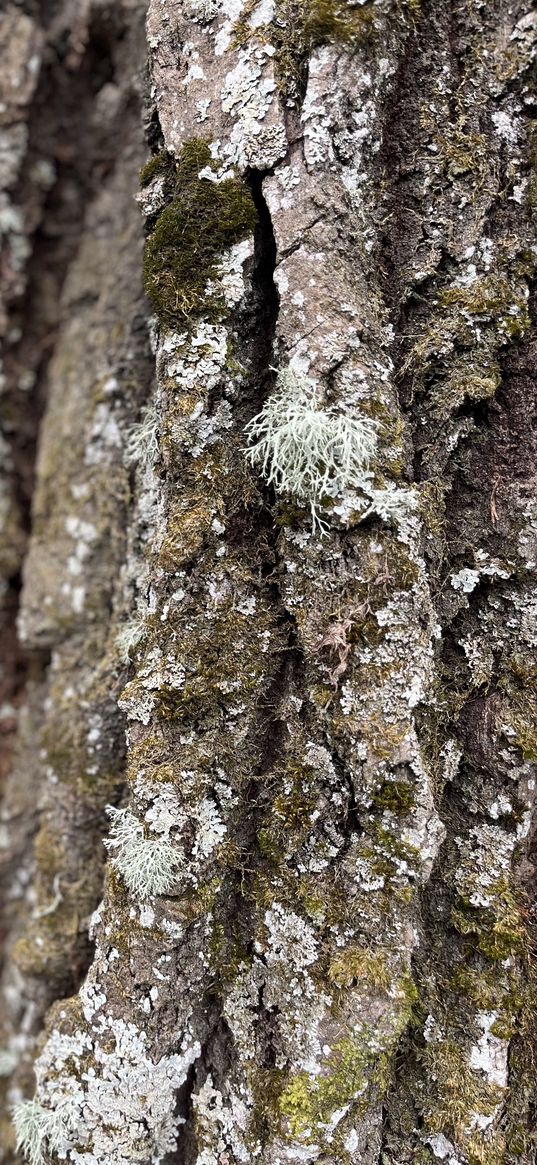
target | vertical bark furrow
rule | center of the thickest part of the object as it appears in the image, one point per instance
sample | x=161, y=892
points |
x=465, y=328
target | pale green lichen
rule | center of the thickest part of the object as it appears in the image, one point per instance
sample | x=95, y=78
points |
x=147, y=865
x=142, y=446
x=130, y=635
x=40, y=1130
x=8, y=1061
x=308, y=452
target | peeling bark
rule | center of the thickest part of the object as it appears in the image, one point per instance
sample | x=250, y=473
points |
x=324, y=731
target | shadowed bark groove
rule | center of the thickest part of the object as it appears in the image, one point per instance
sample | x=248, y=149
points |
x=325, y=735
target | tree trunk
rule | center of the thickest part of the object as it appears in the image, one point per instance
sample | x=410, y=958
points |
x=268, y=552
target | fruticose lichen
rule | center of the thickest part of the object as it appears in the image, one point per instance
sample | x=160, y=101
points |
x=276, y=700
x=105, y=1097
x=41, y=1131
x=147, y=865
x=322, y=458
x=308, y=452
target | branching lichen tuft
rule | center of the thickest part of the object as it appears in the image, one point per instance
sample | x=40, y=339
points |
x=148, y=866
x=129, y=636
x=40, y=1130
x=306, y=452
x=142, y=443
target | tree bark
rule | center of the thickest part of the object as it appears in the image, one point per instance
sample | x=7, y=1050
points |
x=304, y=689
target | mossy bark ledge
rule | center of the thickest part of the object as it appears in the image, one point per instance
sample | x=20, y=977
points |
x=325, y=731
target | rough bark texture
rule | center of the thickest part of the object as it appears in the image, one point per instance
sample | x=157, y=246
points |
x=333, y=729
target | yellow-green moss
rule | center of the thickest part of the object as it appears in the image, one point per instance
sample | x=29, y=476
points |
x=387, y=854
x=491, y=298
x=329, y=21
x=456, y=1092
x=202, y=221
x=293, y=804
x=308, y=1102
x=464, y=384
x=228, y=954
x=518, y=681
x=300, y=26
x=489, y=988
x=498, y=930
x=187, y=529
x=362, y=966
x=355, y=1066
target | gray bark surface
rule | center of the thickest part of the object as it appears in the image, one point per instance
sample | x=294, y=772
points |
x=316, y=709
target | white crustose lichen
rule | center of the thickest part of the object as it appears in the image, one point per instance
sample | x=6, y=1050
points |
x=148, y=866
x=306, y=452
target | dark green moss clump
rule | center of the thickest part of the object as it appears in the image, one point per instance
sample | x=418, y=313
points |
x=395, y=796
x=161, y=164
x=202, y=221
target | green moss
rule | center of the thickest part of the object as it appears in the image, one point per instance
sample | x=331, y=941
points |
x=489, y=987
x=295, y=801
x=308, y=1102
x=382, y=739
x=300, y=26
x=162, y=163
x=525, y=737
x=388, y=855
x=518, y=680
x=355, y=1066
x=288, y=514
x=266, y=1086
x=329, y=21
x=491, y=298
x=456, y=1093
x=499, y=929
x=396, y=796
x=455, y=357
x=228, y=954
x=362, y=966
x=224, y=657
x=202, y=221
x=187, y=530
x=464, y=384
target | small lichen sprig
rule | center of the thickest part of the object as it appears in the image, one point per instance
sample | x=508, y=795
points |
x=142, y=441
x=40, y=1130
x=129, y=636
x=306, y=452
x=148, y=866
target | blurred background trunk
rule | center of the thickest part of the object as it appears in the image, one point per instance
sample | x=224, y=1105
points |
x=335, y=730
